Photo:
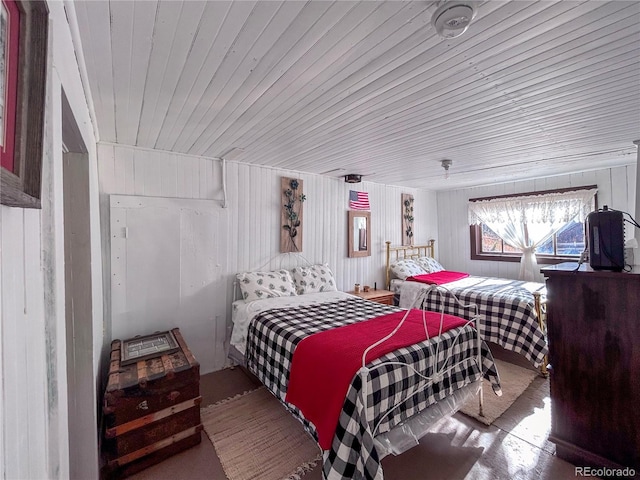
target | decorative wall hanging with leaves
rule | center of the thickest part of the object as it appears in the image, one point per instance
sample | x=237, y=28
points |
x=407, y=219
x=291, y=218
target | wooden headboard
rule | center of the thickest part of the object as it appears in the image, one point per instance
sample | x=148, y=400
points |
x=406, y=251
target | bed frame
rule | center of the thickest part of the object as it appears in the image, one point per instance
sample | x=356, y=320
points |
x=408, y=432
x=406, y=251
x=394, y=254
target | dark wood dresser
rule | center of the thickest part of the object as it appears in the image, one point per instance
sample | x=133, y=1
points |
x=593, y=328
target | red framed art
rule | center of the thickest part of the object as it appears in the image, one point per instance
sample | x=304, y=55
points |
x=23, y=72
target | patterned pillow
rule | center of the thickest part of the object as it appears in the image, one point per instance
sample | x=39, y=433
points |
x=315, y=278
x=406, y=268
x=430, y=264
x=259, y=285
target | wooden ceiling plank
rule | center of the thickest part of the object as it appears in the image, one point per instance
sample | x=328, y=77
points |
x=368, y=107
x=404, y=19
x=350, y=134
x=592, y=28
x=224, y=39
x=218, y=90
x=316, y=66
x=164, y=30
x=362, y=56
x=314, y=60
x=144, y=17
x=94, y=25
x=122, y=17
x=377, y=94
x=259, y=61
x=199, y=64
x=170, y=56
x=435, y=58
x=364, y=85
x=191, y=30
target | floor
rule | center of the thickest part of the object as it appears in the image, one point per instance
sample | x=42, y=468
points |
x=514, y=447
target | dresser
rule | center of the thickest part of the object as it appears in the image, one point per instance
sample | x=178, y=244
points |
x=381, y=296
x=593, y=329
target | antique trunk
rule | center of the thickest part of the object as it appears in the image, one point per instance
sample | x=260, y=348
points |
x=151, y=405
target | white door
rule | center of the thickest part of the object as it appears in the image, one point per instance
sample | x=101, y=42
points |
x=167, y=270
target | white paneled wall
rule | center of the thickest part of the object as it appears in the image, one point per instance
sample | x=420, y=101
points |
x=23, y=345
x=253, y=235
x=616, y=188
x=33, y=386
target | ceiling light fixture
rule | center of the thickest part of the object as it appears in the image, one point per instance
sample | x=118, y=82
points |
x=446, y=163
x=452, y=18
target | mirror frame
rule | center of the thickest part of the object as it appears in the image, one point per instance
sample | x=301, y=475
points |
x=352, y=215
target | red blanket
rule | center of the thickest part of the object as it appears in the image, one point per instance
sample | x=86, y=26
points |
x=438, y=278
x=324, y=363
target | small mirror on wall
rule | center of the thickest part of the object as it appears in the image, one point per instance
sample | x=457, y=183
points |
x=359, y=225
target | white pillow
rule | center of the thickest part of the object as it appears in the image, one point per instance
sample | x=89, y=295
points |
x=406, y=268
x=315, y=278
x=430, y=264
x=259, y=285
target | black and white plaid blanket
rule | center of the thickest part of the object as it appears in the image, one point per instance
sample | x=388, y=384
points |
x=506, y=309
x=274, y=334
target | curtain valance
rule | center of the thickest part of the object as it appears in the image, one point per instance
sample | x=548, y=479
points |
x=557, y=207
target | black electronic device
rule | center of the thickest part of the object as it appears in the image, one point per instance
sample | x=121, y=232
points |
x=605, y=230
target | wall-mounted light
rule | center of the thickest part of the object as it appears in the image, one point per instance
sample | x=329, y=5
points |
x=353, y=178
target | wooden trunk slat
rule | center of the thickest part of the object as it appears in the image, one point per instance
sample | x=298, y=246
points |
x=113, y=472
x=120, y=409
x=183, y=346
x=167, y=366
x=152, y=417
x=142, y=372
x=151, y=433
x=155, y=447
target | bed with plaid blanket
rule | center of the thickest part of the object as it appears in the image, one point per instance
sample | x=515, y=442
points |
x=506, y=307
x=271, y=341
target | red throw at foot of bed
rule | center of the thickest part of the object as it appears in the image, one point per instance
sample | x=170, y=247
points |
x=438, y=278
x=325, y=363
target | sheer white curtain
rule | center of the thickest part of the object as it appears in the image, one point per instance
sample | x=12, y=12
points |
x=525, y=222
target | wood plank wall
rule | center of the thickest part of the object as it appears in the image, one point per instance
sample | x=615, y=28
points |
x=616, y=188
x=23, y=413
x=253, y=214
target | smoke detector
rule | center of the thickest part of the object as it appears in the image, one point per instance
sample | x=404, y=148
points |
x=452, y=18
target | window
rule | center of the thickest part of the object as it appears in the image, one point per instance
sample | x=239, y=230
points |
x=565, y=244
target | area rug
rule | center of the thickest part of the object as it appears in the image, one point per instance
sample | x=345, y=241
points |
x=256, y=438
x=514, y=381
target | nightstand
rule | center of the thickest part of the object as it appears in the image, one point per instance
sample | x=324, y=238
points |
x=381, y=296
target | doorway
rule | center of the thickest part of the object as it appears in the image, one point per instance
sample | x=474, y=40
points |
x=81, y=388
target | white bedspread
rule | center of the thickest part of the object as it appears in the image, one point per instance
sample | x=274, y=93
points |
x=243, y=312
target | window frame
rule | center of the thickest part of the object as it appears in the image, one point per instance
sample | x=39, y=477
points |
x=475, y=232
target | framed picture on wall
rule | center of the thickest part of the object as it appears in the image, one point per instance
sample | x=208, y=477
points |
x=23, y=72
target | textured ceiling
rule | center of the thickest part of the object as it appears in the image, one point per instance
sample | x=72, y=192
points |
x=531, y=89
